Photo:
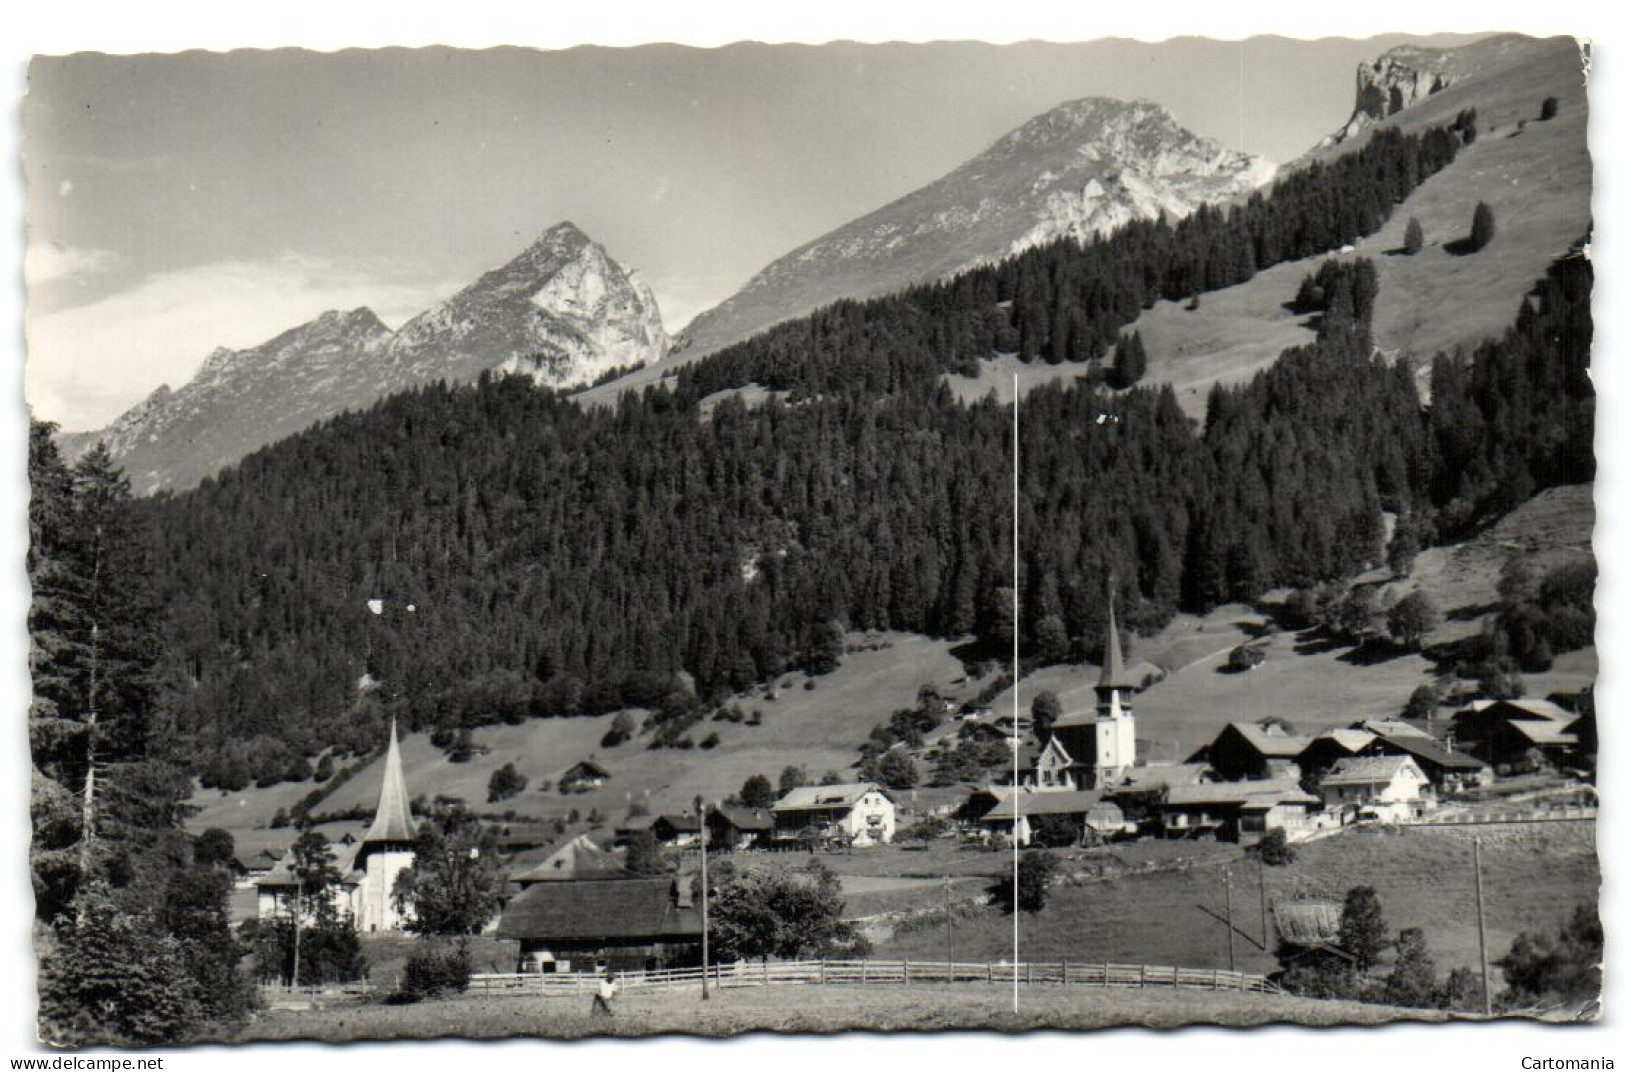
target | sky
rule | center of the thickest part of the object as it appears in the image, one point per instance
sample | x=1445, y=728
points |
x=177, y=203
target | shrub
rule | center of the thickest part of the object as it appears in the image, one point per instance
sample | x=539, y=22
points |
x=1274, y=849
x=1548, y=109
x=1030, y=890
x=505, y=782
x=1483, y=227
x=434, y=969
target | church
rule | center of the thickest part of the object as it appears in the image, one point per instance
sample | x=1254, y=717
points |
x=367, y=870
x=1093, y=749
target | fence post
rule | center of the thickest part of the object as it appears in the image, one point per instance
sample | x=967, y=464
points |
x=1176, y=977
x=1029, y=973
x=905, y=969
x=990, y=971
x=823, y=965
x=764, y=973
x=1142, y=976
x=863, y=972
x=1064, y=978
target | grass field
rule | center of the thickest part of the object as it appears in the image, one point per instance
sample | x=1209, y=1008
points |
x=818, y=728
x=1534, y=877
x=808, y=1009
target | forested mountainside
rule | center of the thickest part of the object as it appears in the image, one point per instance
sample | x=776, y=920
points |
x=1068, y=302
x=459, y=554
x=535, y=558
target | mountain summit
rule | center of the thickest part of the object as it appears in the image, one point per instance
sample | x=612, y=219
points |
x=562, y=312
x=1078, y=170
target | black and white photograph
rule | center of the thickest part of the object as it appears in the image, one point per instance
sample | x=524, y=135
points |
x=855, y=536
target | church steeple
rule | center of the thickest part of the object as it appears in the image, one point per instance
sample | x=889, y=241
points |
x=393, y=821
x=1114, y=688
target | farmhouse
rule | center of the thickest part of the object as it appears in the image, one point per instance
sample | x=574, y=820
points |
x=626, y=924
x=1446, y=768
x=728, y=828
x=577, y=859
x=367, y=871
x=675, y=829
x=585, y=775
x=1021, y=815
x=1390, y=788
x=1324, y=751
x=1255, y=750
x=1097, y=747
x=979, y=802
x=1529, y=744
x=860, y=812
x=1238, y=811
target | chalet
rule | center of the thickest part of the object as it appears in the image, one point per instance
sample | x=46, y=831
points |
x=1052, y=769
x=1323, y=752
x=1018, y=815
x=1389, y=788
x=1238, y=811
x=1255, y=750
x=1518, y=745
x=675, y=829
x=626, y=924
x=728, y=829
x=576, y=860
x=978, y=803
x=1143, y=789
x=1448, y=769
x=861, y=813
x=1483, y=720
x=588, y=774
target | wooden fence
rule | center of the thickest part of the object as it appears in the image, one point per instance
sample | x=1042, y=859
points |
x=875, y=972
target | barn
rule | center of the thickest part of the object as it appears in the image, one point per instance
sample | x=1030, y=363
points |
x=624, y=924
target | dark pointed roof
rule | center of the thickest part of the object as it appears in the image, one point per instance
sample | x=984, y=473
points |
x=393, y=821
x=1113, y=674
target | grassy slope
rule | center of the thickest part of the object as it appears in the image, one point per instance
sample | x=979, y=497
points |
x=1314, y=686
x=819, y=729
x=1533, y=878
x=967, y=1006
x=1537, y=181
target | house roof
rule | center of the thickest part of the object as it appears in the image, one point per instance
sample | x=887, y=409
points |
x=587, y=766
x=1394, y=727
x=1308, y=923
x=1350, y=741
x=1071, y=802
x=1165, y=775
x=1365, y=770
x=626, y=909
x=747, y=820
x=1427, y=750
x=344, y=862
x=1544, y=709
x=679, y=823
x=393, y=819
x=579, y=858
x=820, y=797
x=1270, y=740
x=1251, y=794
x=1545, y=732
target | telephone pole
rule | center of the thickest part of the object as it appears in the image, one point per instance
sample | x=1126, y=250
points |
x=1483, y=942
x=1229, y=923
x=1263, y=911
x=705, y=909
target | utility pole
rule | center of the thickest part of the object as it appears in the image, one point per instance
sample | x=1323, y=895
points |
x=1483, y=942
x=705, y=909
x=950, y=910
x=298, y=896
x=1263, y=911
x=1229, y=924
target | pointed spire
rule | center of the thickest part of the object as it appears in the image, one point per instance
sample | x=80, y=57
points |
x=393, y=822
x=1113, y=675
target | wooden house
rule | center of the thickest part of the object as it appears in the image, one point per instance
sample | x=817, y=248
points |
x=625, y=924
x=728, y=829
x=576, y=859
x=1238, y=811
x=1386, y=788
x=860, y=813
x=1022, y=815
x=1254, y=750
x=582, y=776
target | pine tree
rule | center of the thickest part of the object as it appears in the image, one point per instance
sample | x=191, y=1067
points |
x=1413, y=237
x=1483, y=227
x=1362, y=933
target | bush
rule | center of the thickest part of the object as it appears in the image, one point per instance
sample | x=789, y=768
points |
x=1413, y=237
x=1274, y=849
x=505, y=782
x=1548, y=109
x=435, y=969
x=1483, y=227
x=1563, y=967
x=1030, y=890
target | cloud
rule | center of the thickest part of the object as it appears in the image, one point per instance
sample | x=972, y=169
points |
x=89, y=363
x=47, y=262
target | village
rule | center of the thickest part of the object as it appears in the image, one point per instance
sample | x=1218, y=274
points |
x=623, y=898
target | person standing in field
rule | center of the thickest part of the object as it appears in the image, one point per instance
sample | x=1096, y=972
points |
x=607, y=989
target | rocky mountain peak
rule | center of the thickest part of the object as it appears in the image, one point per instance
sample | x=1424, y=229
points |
x=1393, y=82
x=1079, y=169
